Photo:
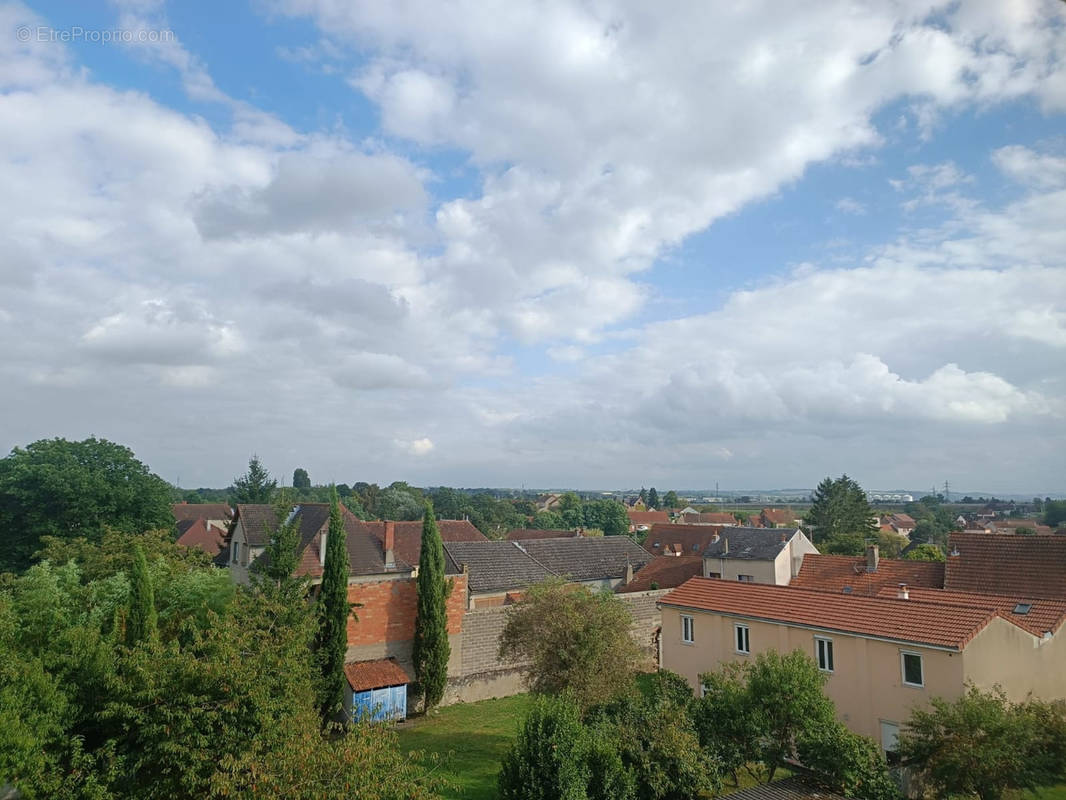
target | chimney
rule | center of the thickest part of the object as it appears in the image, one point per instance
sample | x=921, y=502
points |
x=725, y=545
x=872, y=552
x=903, y=594
x=390, y=545
x=717, y=536
x=677, y=549
x=629, y=572
x=783, y=538
x=322, y=547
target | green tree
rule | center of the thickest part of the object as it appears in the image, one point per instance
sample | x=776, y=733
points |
x=431, y=647
x=300, y=479
x=142, y=620
x=331, y=641
x=399, y=504
x=1054, y=512
x=643, y=495
x=653, y=499
x=255, y=485
x=548, y=761
x=574, y=640
x=850, y=764
x=548, y=521
x=281, y=556
x=839, y=508
x=607, y=515
x=925, y=552
x=982, y=744
x=67, y=490
x=671, y=500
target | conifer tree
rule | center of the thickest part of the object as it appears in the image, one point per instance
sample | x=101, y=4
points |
x=331, y=643
x=653, y=499
x=282, y=558
x=431, y=646
x=141, y=619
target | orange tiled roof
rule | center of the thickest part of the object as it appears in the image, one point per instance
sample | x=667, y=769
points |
x=906, y=621
x=1007, y=564
x=365, y=675
x=717, y=518
x=665, y=572
x=835, y=573
x=647, y=517
x=693, y=539
x=197, y=533
x=1042, y=615
x=779, y=516
x=408, y=544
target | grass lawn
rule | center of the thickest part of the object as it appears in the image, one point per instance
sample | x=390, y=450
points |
x=470, y=739
x=1054, y=793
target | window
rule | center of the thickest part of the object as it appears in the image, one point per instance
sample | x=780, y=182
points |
x=236, y=557
x=743, y=645
x=912, y=669
x=890, y=742
x=714, y=574
x=746, y=578
x=687, y=629
x=824, y=653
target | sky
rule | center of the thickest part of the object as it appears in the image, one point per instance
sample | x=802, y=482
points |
x=587, y=244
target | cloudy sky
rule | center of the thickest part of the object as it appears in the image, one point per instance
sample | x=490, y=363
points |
x=590, y=244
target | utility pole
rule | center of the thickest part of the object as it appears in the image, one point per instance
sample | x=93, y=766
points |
x=947, y=493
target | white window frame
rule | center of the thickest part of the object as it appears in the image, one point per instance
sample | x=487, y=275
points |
x=688, y=625
x=823, y=652
x=903, y=668
x=737, y=628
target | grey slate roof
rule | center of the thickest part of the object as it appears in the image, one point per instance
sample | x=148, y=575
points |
x=496, y=566
x=588, y=558
x=751, y=544
x=259, y=521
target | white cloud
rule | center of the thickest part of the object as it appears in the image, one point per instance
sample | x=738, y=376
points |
x=849, y=205
x=417, y=447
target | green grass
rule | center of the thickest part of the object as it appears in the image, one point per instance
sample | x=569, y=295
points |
x=464, y=743
x=1053, y=793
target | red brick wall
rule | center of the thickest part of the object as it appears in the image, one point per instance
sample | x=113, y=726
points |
x=385, y=610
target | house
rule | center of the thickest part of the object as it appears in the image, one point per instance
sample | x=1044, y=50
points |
x=407, y=536
x=499, y=572
x=777, y=518
x=708, y=518
x=643, y=520
x=202, y=535
x=1014, y=524
x=549, y=502
x=677, y=539
x=521, y=534
x=214, y=515
x=884, y=655
x=865, y=575
x=1006, y=564
x=663, y=572
x=756, y=555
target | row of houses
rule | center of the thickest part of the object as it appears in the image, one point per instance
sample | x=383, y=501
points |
x=641, y=520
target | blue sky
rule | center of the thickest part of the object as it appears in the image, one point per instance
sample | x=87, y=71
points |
x=543, y=244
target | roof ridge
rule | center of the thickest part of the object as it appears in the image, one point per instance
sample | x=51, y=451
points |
x=531, y=558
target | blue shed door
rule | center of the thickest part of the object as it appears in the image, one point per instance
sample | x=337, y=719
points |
x=399, y=702
x=361, y=705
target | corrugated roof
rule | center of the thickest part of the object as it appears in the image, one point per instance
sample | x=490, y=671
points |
x=837, y=573
x=366, y=675
x=1007, y=564
x=900, y=620
x=666, y=572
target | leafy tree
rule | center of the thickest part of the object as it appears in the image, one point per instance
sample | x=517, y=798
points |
x=1054, y=512
x=850, y=764
x=67, y=490
x=113, y=553
x=924, y=552
x=671, y=500
x=982, y=744
x=141, y=621
x=399, y=504
x=574, y=640
x=548, y=521
x=331, y=641
x=607, y=515
x=570, y=510
x=300, y=479
x=255, y=485
x=728, y=730
x=548, y=761
x=281, y=556
x=653, y=498
x=839, y=508
x=431, y=647
x=351, y=502
x=843, y=545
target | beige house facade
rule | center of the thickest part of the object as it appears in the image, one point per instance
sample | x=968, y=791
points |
x=883, y=656
x=756, y=555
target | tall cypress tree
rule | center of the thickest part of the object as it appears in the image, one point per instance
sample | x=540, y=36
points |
x=331, y=643
x=141, y=619
x=431, y=646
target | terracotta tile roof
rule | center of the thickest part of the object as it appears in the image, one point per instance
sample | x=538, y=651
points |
x=526, y=534
x=197, y=533
x=408, y=546
x=1041, y=615
x=792, y=788
x=365, y=675
x=1017, y=565
x=716, y=518
x=1011, y=525
x=836, y=573
x=779, y=516
x=666, y=572
x=907, y=621
x=693, y=539
x=201, y=511
x=647, y=517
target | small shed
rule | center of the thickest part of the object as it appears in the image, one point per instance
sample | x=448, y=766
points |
x=377, y=690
